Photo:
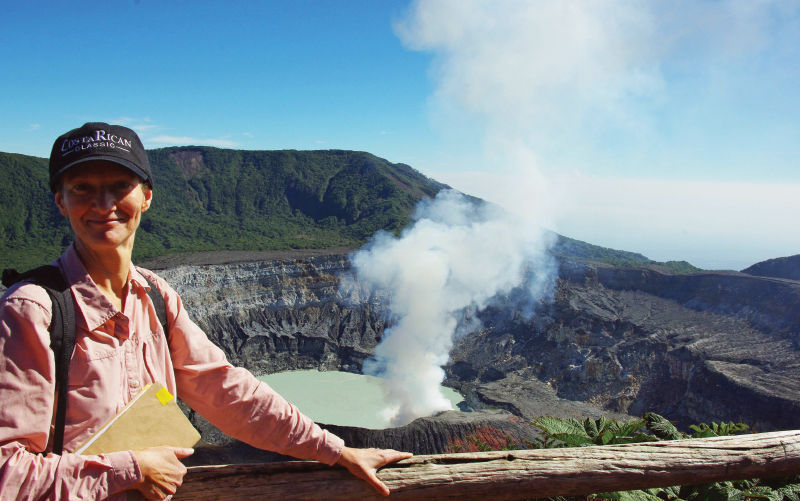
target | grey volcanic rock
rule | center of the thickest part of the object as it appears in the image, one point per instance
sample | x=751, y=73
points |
x=446, y=432
x=530, y=398
x=705, y=347
x=613, y=341
x=273, y=316
x=782, y=267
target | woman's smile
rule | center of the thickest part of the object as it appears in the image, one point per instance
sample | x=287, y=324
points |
x=104, y=203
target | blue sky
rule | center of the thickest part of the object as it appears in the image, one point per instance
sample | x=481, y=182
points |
x=666, y=128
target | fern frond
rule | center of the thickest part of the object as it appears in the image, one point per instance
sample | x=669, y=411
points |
x=706, y=433
x=572, y=439
x=606, y=495
x=762, y=492
x=590, y=426
x=722, y=491
x=661, y=427
x=788, y=493
x=638, y=496
x=629, y=427
x=603, y=423
x=732, y=428
x=552, y=426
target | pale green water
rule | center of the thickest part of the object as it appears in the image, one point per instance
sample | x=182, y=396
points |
x=339, y=398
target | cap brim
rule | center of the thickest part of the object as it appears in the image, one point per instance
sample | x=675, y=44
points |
x=119, y=161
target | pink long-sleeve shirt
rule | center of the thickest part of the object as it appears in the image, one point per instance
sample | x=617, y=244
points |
x=116, y=354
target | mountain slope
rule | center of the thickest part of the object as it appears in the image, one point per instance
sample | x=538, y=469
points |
x=33, y=231
x=782, y=267
x=211, y=199
x=215, y=199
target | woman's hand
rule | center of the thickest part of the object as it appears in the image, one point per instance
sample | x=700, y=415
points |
x=364, y=463
x=162, y=472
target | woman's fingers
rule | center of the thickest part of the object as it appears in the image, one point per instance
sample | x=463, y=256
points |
x=162, y=471
x=364, y=464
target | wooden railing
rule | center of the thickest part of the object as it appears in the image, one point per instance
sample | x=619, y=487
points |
x=512, y=475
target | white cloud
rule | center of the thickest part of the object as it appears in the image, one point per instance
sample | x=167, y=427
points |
x=558, y=71
x=535, y=68
x=553, y=83
x=247, y=134
x=159, y=141
x=34, y=127
x=138, y=124
x=711, y=224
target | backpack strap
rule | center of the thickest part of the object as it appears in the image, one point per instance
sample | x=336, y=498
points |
x=159, y=305
x=62, y=330
x=62, y=334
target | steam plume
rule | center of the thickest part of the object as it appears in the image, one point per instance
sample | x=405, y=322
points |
x=544, y=82
x=456, y=255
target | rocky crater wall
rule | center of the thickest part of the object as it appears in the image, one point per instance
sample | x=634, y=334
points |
x=696, y=348
x=280, y=315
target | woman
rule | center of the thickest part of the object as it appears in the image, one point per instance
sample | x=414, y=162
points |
x=102, y=182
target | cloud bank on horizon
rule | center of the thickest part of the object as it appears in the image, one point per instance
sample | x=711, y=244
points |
x=573, y=100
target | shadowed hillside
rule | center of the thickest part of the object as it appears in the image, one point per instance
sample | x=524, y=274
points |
x=782, y=267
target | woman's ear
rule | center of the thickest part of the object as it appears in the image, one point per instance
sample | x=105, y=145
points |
x=148, y=199
x=60, y=203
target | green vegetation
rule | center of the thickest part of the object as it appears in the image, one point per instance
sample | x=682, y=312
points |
x=214, y=199
x=34, y=232
x=558, y=432
x=571, y=248
x=209, y=199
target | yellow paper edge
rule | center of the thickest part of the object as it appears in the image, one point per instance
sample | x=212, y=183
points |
x=164, y=396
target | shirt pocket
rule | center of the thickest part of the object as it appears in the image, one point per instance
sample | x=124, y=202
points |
x=92, y=364
x=152, y=352
x=94, y=388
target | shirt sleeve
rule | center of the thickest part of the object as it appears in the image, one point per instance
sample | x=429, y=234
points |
x=233, y=400
x=27, y=386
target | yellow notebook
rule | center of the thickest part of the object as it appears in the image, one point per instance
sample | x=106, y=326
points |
x=151, y=419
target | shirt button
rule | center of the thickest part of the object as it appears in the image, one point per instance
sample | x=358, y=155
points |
x=135, y=383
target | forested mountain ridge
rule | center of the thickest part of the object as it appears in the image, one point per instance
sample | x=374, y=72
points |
x=218, y=199
x=212, y=199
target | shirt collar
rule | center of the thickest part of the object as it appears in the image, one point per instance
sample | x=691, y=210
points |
x=138, y=278
x=94, y=306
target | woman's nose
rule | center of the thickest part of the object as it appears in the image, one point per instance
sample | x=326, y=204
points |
x=104, y=200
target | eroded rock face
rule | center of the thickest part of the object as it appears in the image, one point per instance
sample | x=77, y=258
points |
x=446, y=432
x=283, y=315
x=696, y=348
x=617, y=342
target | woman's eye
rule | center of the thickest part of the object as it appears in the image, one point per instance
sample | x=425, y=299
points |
x=122, y=185
x=80, y=187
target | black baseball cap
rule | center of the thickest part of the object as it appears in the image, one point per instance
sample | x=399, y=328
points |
x=99, y=141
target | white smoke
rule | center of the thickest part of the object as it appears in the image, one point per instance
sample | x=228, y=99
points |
x=537, y=80
x=456, y=255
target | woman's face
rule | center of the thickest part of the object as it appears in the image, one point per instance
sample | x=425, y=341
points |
x=104, y=203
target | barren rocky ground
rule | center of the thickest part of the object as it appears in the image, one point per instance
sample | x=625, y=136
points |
x=614, y=342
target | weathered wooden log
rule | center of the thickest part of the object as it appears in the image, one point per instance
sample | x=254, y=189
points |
x=512, y=475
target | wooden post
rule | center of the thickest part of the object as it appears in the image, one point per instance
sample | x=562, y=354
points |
x=512, y=475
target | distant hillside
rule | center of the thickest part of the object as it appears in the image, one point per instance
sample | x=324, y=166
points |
x=211, y=199
x=33, y=231
x=782, y=267
x=215, y=199
x=569, y=247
